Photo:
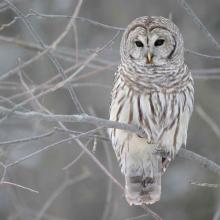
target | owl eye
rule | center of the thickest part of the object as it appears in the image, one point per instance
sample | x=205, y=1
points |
x=159, y=42
x=139, y=43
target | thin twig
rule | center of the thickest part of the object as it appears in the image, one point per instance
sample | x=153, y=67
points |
x=202, y=161
x=19, y=186
x=52, y=46
x=44, y=148
x=209, y=185
x=109, y=195
x=73, y=162
x=206, y=71
x=217, y=213
x=202, y=54
x=65, y=81
x=31, y=214
x=137, y=217
x=28, y=139
x=212, y=124
x=77, y=17
x=59, y=190
x=198, y=22
x=60, y=52
x=148, y=210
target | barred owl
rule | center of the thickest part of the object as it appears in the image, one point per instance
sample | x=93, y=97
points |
x=153, y=88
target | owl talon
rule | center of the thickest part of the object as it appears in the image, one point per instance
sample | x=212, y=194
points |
x=165, y=162
x=141, y=133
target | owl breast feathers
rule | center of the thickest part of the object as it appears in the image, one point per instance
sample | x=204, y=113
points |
x=153, y=88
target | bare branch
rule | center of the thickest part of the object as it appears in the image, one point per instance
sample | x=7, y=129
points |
x=109, y=194
x=73, y=162
x=217, y=213
x=212, y=124
x=202, y=54
x=137, y=217
x=53, y=46
x=198, y=22
x=59, y=190
x=23, y=140
x=77, y=17
x=19, y=186
x=74, y=118
x=206, y=71
x=209, y=185
x=51, y=146
x=65, y=81
x=60, y=52
x=202, y=161
x=148, y=210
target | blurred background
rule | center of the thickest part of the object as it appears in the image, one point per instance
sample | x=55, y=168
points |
x=70, y=185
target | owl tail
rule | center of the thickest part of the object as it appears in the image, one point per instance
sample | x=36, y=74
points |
x=143, y=181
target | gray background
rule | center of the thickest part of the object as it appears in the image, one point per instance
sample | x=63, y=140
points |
x=96, y=197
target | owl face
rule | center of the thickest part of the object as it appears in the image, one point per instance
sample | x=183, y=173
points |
x=147, y=48
x=150, y=42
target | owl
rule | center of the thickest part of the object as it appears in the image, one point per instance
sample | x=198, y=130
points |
x=153, y=89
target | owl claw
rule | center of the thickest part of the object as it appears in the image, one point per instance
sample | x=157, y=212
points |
x=141, y=133
x=165, y=162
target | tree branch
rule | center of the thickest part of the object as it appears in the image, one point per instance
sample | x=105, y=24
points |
x=202, y=161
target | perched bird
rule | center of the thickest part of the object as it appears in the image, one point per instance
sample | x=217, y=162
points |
x=153, y=88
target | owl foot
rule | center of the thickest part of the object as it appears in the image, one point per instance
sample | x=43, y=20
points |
x=166, y=158
x=165, y=163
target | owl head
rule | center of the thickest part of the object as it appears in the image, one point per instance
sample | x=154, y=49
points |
x=152, y=41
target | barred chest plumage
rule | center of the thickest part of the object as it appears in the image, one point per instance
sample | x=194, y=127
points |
x=164, y=114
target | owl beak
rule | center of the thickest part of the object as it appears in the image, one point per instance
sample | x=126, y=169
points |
x=149, y=58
